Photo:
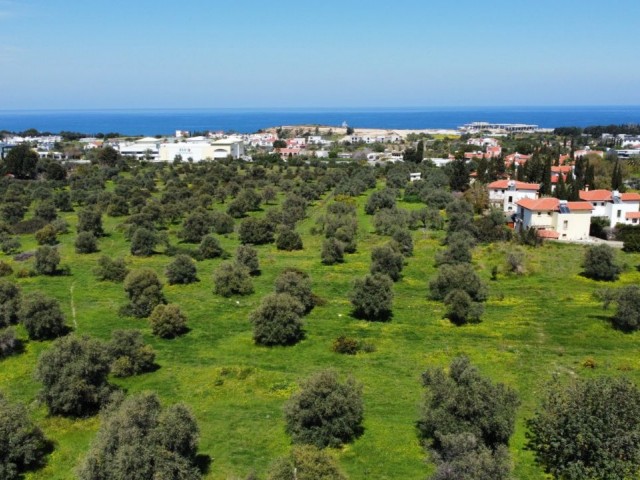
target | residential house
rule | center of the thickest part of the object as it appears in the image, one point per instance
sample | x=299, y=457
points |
x=505, y=194
x=555, y=219
x=516, y=159
x=616, y=207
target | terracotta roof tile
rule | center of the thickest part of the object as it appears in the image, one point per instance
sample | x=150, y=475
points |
x=630, y=197
x=579, y=206
x=548, y=234
x=504, y=184
x=631, y=215
x=539, y=203
x=595, y=195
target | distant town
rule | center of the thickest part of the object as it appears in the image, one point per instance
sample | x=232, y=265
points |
x=489, y=151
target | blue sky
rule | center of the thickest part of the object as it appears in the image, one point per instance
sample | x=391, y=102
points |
x=68, y=54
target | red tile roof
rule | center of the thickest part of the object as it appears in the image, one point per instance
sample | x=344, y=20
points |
x=631, y=215
x=539, y=203
x=579, y=206
x=548, y=234
x=630, y=197
x=504, y=184
x=595, y=195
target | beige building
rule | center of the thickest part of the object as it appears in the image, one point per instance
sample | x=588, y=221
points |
x=553, y=218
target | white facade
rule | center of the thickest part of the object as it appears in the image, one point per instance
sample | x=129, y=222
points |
x=555, y=218
x=505, y=194
x=615, y=206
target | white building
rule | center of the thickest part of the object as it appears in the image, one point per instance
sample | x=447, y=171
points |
x=202, y=150
x=147, y=147
x=505, y=194
x=555, y=219
x=615, y=206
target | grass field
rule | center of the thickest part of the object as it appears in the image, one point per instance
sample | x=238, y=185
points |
x=543, y=323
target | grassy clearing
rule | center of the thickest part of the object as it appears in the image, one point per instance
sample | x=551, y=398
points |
x=542, y=323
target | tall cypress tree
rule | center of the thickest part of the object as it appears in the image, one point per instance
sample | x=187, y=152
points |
x=561, y=189
x=545, y=183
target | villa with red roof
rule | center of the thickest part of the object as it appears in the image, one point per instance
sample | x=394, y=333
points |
x=555, y=219
x=615, y=206
x=504, y=194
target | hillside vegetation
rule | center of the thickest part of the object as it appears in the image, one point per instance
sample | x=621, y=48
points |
x=541, y=321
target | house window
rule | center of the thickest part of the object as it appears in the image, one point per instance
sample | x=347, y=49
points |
x=565, y=224
x=539, y=213
x=618, y=213
x=510, y=199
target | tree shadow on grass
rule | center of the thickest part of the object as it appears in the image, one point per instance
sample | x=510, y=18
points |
x=611, y=321
x=203, y=463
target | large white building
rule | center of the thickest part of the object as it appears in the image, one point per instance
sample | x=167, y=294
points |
x=197, y=151
x=147, y=147
x=553, y=218
x=505, y=194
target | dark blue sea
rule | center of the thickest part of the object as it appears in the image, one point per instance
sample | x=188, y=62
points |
x=166, y=121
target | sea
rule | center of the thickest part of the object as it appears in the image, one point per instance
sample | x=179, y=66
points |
x=145, y=122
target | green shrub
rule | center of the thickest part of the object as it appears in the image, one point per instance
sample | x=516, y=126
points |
x=232, y=279
x=22, y=444
x=182, y=271
x=168, y=321
x=145, y=292
x=372, y=297
x=86, y=242
x=42, y=317
x=129, y=354
x=73, y=373
x=277, y=320
x=600, y=263
x=47, y=260
x=112, y=270
x=346, y=345
x=247, y=256
x=332, y=252
x=325, y=412
x=210, y=247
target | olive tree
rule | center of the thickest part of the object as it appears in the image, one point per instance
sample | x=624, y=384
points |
x=42, y=317
x=247, y=256
x=600, y=263
x=47, y=260
x=138, y=440
x=144, y=290
x=461, y=400
x=22, y=444
x=182, y=270
x=129, y=354
x=588, y=429
x=627, y=316
x=73, y=373
x=325, y=412
x=305, y=462
x=332, y=251
x=168, y=321
x=372, y=297
x=10, y=300
x=387, y=260
x=232, y=279
x=277, y=321
x=297, y=284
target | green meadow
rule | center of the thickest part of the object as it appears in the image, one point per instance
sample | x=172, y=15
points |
x=546, y=322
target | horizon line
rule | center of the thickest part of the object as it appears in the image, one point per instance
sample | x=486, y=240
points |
x=311, y=108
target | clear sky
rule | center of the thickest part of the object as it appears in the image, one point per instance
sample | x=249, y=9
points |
x=69, y=54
